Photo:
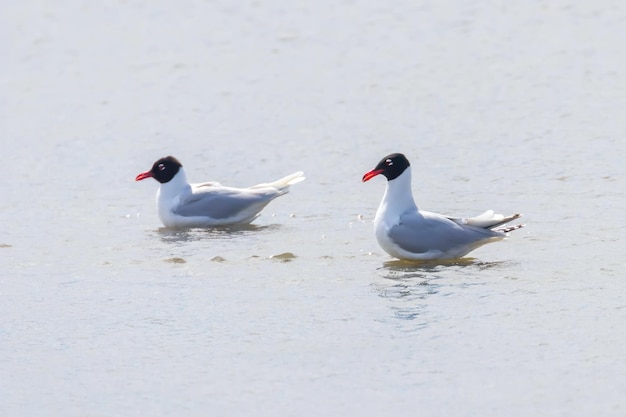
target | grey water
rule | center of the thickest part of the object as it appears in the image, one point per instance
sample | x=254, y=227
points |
x=511, y=106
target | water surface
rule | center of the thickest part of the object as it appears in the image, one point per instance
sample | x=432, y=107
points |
x=515, y=107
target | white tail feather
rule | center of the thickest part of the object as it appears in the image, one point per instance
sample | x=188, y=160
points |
x=284, y=182
x=489, y=220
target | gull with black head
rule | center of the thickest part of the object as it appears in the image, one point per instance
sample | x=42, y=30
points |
x=406, y=232
x=181, y=204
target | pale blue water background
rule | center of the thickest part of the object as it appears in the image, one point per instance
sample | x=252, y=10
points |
x=515, y=106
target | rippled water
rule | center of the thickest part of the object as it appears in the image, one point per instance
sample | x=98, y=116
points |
x=511, y=106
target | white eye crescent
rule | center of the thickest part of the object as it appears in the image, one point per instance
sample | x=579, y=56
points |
x=389, y=162
x=161, y=167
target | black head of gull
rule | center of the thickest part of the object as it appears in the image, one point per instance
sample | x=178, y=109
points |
x=162, y=170
x=391, y=166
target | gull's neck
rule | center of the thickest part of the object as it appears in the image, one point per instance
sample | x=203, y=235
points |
x=176, y=186
x=398, y=197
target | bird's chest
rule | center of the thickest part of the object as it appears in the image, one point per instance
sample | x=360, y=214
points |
x=166, y=206
x=167, y=201
x=387, y=216
x=383, y=222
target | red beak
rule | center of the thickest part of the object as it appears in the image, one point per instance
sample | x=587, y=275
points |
x=369, y=175
x=143, y=176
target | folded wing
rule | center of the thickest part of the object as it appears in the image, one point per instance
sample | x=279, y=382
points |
x=219, y=202
x=420, y=232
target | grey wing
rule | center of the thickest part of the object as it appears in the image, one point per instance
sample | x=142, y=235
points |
x=424, y=231
x=222, y=202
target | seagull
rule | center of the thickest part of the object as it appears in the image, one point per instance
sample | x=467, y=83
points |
x=181, y=204
x=406, y=232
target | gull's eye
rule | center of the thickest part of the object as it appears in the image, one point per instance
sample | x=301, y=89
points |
x=161, y=167
x=389, y=162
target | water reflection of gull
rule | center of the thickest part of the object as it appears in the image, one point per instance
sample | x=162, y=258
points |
x=408, y=285
x=168, y=235
x=406, y=290
x=404, y=267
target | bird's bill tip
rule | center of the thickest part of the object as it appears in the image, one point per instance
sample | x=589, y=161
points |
x=371, y=174
x=143, y=176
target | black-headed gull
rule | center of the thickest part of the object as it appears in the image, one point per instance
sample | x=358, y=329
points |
x=405, y=232
x=181, y=204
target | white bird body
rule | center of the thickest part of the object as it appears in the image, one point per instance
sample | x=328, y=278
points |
x=181, y=204
x=405, y=232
